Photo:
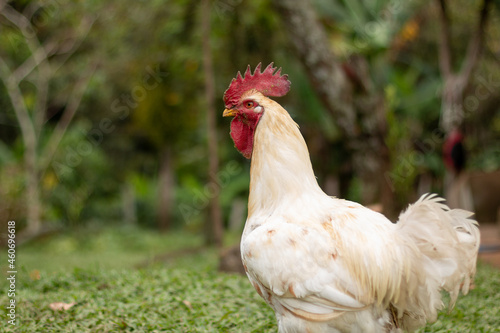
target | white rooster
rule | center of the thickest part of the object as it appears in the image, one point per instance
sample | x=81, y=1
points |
x=330, y=265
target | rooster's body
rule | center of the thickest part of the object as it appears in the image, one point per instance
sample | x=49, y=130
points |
x=330, y=265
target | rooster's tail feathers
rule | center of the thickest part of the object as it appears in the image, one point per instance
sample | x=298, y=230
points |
x=448, y=242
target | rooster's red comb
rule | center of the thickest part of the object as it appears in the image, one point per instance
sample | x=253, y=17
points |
x=268, y=83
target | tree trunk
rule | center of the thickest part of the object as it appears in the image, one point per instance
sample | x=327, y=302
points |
x=33, y=205
x=32, y=193
x=452, y=111
x=322, y=67
x=166, y=189
x=455, y=83
x=215, y=235
x=364, y=137
x=128, y=205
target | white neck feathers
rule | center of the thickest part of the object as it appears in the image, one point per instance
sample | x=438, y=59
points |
x=281, y=168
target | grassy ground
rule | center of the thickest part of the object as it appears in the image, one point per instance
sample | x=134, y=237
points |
x=181, y=293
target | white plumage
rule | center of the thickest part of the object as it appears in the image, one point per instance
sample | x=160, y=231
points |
x=330, y=265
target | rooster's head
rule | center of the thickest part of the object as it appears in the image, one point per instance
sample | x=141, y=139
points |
x=242, y=102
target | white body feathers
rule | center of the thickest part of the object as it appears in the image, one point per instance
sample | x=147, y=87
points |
x=329, y=265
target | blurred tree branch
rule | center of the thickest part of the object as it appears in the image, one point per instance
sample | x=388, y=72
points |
x=455, y=83
x=476, y=42
x=72, y=105
x=215, y=226
x=444, y=45
x=31, y=125
x=30, y=145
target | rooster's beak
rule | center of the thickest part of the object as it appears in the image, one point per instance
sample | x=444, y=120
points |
x=229, y=113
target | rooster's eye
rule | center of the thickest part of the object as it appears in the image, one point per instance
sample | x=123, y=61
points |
x=249, y=104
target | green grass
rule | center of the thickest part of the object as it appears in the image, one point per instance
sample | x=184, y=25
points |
x=156, y=299
x=102, y=248
x=181, y=294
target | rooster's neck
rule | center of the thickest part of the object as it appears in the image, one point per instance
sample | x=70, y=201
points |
x=281, y=169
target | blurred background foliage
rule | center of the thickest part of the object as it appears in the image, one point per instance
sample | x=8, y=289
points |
x=140, y=125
